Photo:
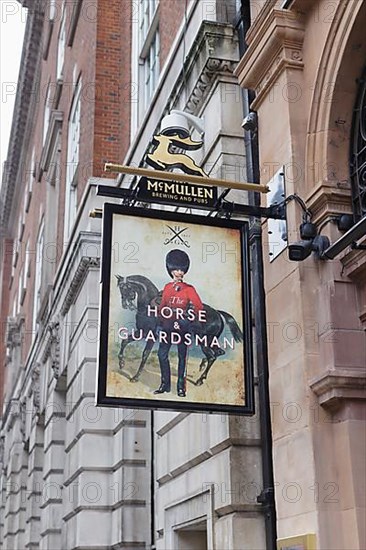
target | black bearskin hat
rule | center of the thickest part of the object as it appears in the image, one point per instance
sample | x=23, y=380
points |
x=177, y=259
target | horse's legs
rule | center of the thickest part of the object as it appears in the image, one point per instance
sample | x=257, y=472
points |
x=124, y=343
x=213, y=355
x=145, y=355
x=207, y=357
x=203, y=363
x=207, y=352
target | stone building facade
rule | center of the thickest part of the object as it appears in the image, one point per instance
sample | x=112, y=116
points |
x=96, y=80
x=306, y=64
x=75, y=476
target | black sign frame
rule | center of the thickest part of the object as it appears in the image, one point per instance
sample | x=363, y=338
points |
x=242, y=230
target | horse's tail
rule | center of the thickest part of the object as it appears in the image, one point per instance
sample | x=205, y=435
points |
x=233, y=326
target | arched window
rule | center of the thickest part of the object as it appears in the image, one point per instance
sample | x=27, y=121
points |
x=358, y=152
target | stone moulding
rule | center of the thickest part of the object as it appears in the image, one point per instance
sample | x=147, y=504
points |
x=354, y=267
x=212, y=68
x=22, y=110
x=86, y=262
x=53, y=347
x=275, y=44
x=333, y=387
x=328, y=198
x=214, y=52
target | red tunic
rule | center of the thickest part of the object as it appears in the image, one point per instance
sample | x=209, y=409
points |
x=180, y=295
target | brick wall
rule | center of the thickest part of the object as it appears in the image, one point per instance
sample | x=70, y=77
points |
x=112, y=83
x=170, y=19
x=99, y=53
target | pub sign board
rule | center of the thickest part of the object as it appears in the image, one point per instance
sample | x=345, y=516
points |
x=176, y=193
x=175, y=321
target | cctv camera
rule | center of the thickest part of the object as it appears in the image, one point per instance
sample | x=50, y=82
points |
x=299, y=251
x=250, y=122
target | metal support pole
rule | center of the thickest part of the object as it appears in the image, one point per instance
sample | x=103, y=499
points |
x=267, y=497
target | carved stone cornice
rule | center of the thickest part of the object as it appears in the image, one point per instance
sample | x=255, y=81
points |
x=212, y=69
x=332, y=387
x=23, y=110
x=85, y=264
x=274, y=44
x=215, y=52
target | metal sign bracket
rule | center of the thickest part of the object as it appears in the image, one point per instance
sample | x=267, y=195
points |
x=223, y=207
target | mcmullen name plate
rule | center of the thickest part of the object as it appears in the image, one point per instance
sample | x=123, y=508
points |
x=176, y=193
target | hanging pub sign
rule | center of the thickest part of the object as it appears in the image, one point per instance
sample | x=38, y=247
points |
x=175, y=324
x=164, y=157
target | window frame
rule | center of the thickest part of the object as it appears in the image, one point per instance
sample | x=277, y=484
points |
x=61, y=46
x=38, y=274
x=358, y=151
x=145, y=63
x=71, y=176
x=52, y=9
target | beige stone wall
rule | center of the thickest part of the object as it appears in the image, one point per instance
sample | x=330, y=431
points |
x=303, y=64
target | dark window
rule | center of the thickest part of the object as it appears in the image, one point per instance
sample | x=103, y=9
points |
x=358, y=152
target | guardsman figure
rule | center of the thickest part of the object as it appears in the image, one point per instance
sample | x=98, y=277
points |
x=176, y=295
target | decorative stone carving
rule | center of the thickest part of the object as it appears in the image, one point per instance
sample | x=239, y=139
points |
x=22, y=414
x=214, y=52
x=53, y=347
x=14, y=411
x=211, y=43
x=204, y=83
x=36, y=387
x=84, y=265
x=55, y=354
x=13, y=333
x=297, y=55
x=2, y=449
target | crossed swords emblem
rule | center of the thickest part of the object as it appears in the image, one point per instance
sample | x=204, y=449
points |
x=177, y=235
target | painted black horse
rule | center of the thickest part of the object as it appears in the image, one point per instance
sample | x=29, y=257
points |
x=138, y=292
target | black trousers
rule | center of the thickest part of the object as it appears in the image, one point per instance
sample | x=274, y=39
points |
x=163, y=354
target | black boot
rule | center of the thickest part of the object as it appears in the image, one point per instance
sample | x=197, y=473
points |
x=181, y=387
x=163, y=388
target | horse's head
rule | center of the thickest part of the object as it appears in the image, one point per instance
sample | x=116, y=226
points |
x=128, y=293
